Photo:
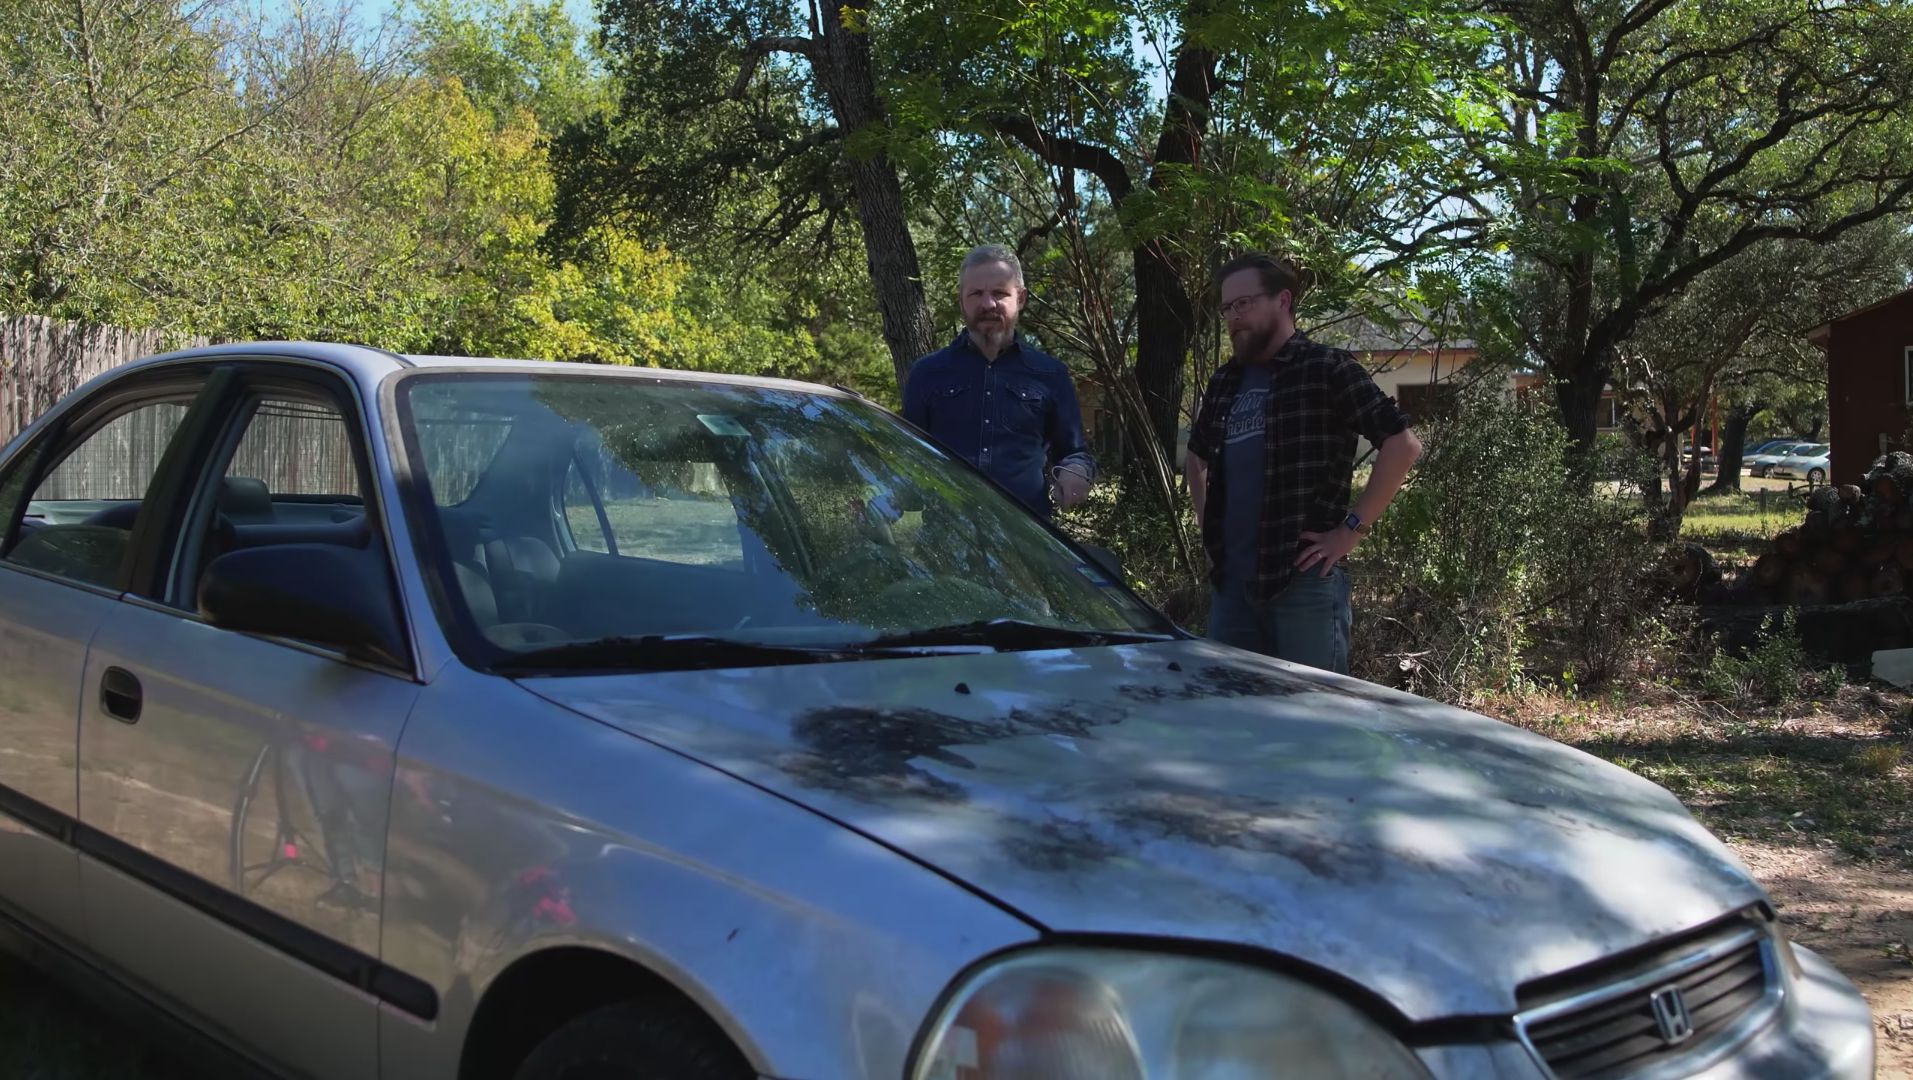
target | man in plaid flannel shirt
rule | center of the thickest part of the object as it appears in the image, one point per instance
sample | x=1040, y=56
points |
x=1270, y=461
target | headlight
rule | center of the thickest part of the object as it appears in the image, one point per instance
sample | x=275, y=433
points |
x=1101, y=1014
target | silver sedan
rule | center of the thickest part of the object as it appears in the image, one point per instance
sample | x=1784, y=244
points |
x=372, y=715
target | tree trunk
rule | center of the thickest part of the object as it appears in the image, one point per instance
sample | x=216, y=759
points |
x=1164, y=327
x=1732, y=449
x=1579, y=380
x=890, y=253
x=1165, y=316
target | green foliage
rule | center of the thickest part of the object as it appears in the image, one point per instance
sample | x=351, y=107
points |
x=1624, y=152
x=290, y=180
x=513, y=55
x=1775, y=669
x=1493, y=549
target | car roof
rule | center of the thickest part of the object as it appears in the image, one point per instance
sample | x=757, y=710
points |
x=371, y=366
x=616, y=371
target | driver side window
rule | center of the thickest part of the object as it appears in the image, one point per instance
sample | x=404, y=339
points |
x=287, y=477
x=79, y=517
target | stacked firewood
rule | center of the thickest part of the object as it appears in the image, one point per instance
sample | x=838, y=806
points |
x=1855, y=544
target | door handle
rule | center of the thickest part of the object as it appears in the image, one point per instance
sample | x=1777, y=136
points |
x=120, y=695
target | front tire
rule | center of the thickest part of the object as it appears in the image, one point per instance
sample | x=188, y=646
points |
x=636, y=1040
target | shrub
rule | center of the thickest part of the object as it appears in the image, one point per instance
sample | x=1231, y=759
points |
x=1497, y=549
x=1774, y=669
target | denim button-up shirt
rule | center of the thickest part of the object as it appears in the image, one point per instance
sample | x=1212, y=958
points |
x=1012, y=416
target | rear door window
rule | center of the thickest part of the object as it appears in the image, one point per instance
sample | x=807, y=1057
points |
x=293, y=465
x=79, y=516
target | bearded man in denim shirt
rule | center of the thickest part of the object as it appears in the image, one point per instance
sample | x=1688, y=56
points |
x=1007, y=408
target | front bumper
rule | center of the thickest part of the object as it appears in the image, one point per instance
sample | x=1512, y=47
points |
x=1824, y=1032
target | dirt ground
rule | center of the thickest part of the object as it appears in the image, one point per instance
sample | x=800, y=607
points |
x=1858, y=916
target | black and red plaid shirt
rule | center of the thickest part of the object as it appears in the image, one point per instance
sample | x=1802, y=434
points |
x=1319, y=400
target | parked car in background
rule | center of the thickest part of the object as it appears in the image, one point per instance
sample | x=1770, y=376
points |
x=1806, y=462
x=1760, y=461
x=1706, y=458
x=451, y=719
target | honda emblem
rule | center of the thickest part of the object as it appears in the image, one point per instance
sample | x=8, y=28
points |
x=1670, y=1015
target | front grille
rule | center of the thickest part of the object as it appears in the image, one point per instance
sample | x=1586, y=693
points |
x=1599, y=1021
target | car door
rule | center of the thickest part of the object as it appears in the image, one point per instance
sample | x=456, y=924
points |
x=69, y=502
x=238, y=784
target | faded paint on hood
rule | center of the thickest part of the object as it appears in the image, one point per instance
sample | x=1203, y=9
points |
x=1188, y=790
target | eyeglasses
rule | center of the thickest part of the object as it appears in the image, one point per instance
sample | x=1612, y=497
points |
x=1239, y=305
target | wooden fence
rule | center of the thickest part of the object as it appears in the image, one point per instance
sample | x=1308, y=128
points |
x=41, y=360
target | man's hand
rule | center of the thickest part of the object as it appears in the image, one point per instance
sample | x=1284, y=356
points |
x=1326, y=549
x=1071, y=485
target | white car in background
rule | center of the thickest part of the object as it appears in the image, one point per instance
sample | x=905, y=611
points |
x=1807, y=462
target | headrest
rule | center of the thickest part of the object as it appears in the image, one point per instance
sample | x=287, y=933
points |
x=114, y=517
x=245, y=501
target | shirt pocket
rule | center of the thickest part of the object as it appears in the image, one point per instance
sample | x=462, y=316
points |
x=1025, y=406
x=949, y=400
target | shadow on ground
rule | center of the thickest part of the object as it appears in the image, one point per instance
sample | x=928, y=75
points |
x=47, y=1034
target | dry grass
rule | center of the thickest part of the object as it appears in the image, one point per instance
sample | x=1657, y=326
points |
x=1829, y=771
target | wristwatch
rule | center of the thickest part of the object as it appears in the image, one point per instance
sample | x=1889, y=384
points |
x=1355, y=525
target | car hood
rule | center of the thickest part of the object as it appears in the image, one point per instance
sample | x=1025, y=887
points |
x=1188, y=790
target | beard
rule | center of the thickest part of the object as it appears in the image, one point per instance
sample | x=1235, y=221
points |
x=993, y=332
x=1252, y=346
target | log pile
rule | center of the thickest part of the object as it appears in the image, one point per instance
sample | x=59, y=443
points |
x=1855, y=544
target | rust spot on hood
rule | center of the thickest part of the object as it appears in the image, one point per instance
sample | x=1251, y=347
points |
x=867, y=750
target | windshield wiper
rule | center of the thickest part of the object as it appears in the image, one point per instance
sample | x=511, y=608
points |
x=1009, y=635
x=659, y=653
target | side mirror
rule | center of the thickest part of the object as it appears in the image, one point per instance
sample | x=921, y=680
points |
x=1105, y=560
x=321, y=593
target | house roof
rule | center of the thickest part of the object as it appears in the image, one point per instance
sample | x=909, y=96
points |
x=1411, y=333
x=1820, y=335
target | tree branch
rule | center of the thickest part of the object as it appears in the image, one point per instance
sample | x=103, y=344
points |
x=756, y=51
x=1065, y=153
x=1645, y=12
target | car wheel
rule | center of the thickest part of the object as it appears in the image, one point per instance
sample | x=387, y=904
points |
x=1816, y=476
x=636, y=1040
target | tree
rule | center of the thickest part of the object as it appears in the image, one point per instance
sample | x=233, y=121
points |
x=512, y=55
x=711, y=117
x=1639, y=146
x=1289, y=127
x=112, y=115
x=1739, y=328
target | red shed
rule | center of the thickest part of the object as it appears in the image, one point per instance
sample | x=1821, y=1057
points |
x=1869, y=383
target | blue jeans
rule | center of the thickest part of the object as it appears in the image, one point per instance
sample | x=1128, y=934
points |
x=1306, y=623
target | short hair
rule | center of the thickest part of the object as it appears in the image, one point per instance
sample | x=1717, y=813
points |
x=992, y=253
x=1278, y=275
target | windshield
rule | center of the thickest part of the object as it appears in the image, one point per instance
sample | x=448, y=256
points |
x=564, y=509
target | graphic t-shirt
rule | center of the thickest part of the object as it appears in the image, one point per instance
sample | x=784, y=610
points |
x=1244, y=458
